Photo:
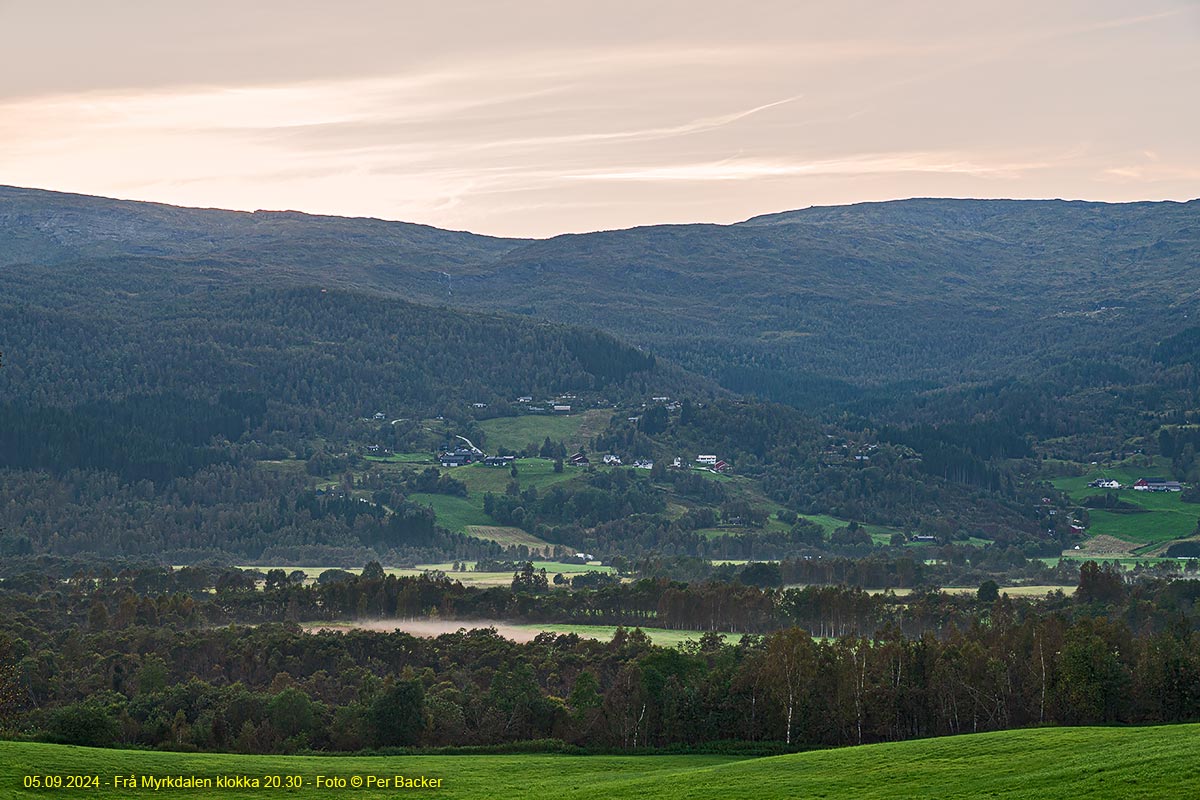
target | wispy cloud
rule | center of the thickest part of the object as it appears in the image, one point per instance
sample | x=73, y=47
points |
x=1151, y=173
x=700, y=125
x=1140, y=19
x=581, y=119
x=748, y=169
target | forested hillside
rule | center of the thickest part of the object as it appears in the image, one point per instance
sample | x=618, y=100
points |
x=943, y=360
x=306, y=351
x=135, y=409
x=875, y=305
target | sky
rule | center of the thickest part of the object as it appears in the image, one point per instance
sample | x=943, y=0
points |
x=538, y=118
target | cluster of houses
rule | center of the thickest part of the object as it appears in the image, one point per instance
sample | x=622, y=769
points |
x=1156, y=485
x=459, y=457
x=1140, y=485
x=559, y=405
x=713, y=463
x=641, y=463
x=498, y=461
x=462, y=456
x=710, y=462
x=840, y=451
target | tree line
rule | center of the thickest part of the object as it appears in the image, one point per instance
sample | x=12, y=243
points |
x=150, y=669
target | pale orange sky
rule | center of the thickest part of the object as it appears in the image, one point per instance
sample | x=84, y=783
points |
x=537, y=118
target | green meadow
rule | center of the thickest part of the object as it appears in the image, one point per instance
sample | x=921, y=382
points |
x=468, y=578
x=663, y=637
x=472, y=578
x=537, y=472
x=1125, y=562
x=1160, y=525
x=573, y=430
x=1163, y=516
x=403, y=458
x=1046, y=763
x=741, y=487
x=463, y=514
x=455, y=513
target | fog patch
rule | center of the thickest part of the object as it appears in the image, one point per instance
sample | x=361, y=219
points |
x=430, y=628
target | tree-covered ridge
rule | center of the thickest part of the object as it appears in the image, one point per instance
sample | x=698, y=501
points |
x=939, y=480
x=304, y=350
x=148, y=657
x=817, y=290
x=158, y=396
x=878, y=306
x=143, y=437
x=883, y=292
x=172, y=311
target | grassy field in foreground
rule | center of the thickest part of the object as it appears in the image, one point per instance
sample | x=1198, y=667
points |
x=1068, y=763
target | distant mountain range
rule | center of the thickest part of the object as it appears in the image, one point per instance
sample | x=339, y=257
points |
x=810, y=307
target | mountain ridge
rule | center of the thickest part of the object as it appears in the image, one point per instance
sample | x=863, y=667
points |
x=8, y=190
x=873, y=294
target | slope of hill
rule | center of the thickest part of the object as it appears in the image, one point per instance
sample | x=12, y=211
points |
x=312, y=351
x=811, y=306
x=941, y=290
x=1046, y=763
x=119, y=373
x=52, y=228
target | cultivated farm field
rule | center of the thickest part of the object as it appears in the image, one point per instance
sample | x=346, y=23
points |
x=518, y=632
x=1162, y=517
x=573, y=430
x=467, y=578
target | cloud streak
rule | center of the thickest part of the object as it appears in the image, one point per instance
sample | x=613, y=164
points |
x=535, y=123
x=875, y=164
